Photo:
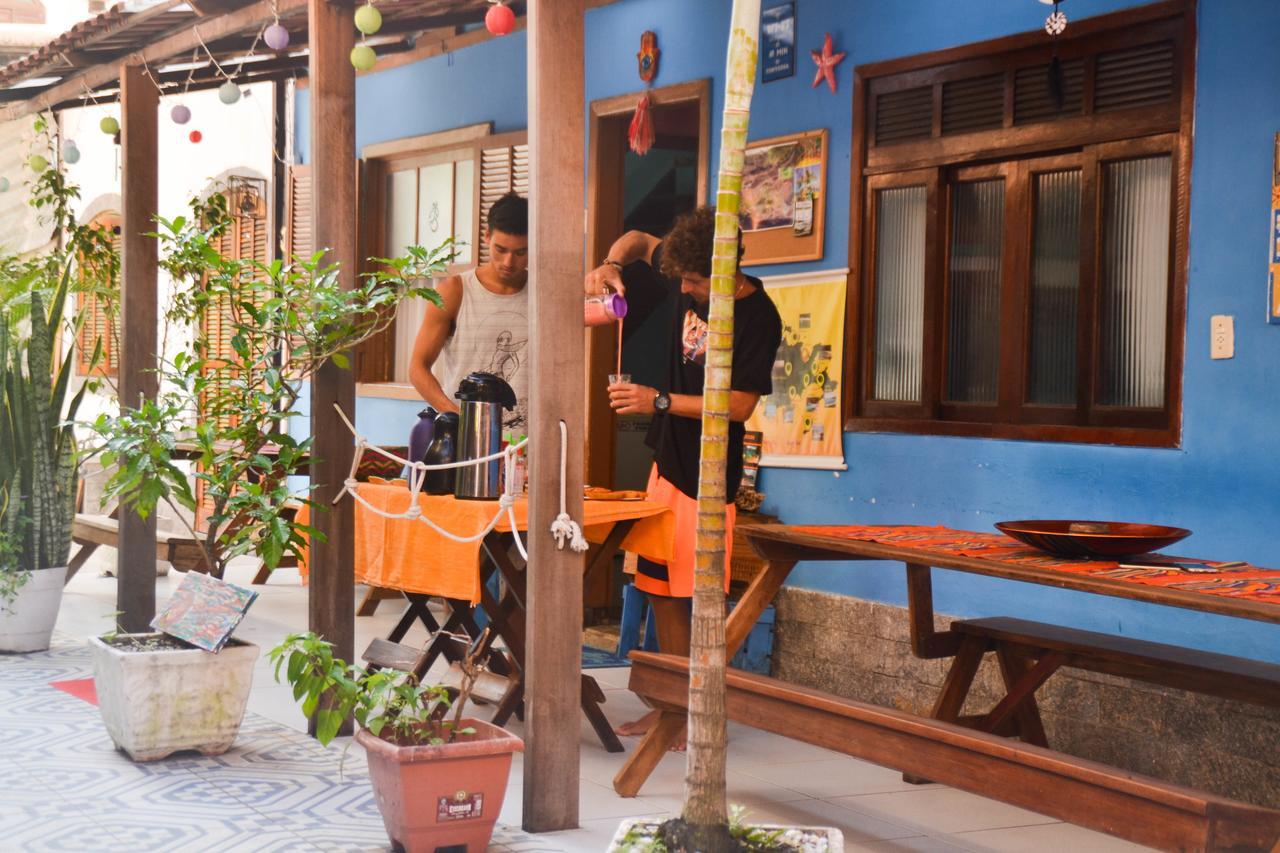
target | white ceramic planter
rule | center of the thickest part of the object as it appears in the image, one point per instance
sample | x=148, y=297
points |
x=155, y=703
x=26, y=623
x=826, y=839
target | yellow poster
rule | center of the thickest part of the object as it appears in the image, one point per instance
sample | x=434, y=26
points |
x=800, y=420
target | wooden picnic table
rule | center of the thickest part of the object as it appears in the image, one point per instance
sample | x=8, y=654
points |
x=969, y=752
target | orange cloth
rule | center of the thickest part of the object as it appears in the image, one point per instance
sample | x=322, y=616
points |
x=684, y=541
x=406, y=554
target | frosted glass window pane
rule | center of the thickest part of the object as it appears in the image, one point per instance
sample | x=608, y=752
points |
x=1055, y=288
x=464, y=209
x=402, y=211
x=900, y=256
x=973, y=357
x=1135, y=282
x=435, y=204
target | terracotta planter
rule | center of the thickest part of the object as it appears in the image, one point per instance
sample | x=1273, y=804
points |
x=155, y=703
x=633, y=834
x=442, y=796
x=26, y=622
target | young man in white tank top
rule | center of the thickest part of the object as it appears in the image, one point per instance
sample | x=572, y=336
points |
x=484, y=321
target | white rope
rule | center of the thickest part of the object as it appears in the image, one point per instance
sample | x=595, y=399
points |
x=565, y=528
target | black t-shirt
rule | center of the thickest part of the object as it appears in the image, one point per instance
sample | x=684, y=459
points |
x=757, y=331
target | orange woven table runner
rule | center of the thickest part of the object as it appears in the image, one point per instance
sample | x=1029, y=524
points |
x=1237, y=581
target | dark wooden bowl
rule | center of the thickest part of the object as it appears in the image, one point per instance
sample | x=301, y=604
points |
x=1093, y=539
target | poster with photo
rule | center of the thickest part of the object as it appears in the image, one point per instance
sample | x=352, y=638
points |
x=784, y=198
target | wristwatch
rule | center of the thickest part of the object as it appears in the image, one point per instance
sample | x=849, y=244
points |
x=662, y=403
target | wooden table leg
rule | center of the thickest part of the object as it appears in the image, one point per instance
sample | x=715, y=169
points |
x=592, y=699
x=654, y=745
x=955, y=689
x=416, y=612
x=375, y=595
x=1022, y=679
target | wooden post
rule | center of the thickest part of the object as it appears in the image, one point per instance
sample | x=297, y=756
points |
x=554, y=658
x=331, y=602
x=139, y=105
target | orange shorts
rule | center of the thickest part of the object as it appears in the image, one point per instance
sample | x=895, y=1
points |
x=678, y=580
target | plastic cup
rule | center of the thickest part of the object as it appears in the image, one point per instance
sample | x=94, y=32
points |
x=619, y=378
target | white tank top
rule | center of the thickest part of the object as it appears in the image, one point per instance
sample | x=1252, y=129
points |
x=491, y=335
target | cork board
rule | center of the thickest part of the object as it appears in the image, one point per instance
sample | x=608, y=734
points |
x=784, y=198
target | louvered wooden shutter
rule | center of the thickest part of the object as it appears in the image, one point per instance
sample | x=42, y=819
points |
x=96, y=325
x=976, y=103
x=503, y=169
x=1134, y=77
x=905, y=114
x=297, y=214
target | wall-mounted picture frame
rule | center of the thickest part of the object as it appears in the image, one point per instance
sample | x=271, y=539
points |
x=778, y=41
x=784, y=198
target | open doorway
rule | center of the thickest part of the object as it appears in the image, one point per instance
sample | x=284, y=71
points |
x=646, y=193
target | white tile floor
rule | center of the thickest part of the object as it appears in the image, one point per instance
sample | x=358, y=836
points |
x=777, y=779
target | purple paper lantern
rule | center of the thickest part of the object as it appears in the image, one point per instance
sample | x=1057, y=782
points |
x=181, y=114
x=276, y=36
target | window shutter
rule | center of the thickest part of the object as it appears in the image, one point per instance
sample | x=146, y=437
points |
x=97, y=326
x=1032, y=100
x=905, y=114
x=297, y=214
x=503, y=169
x=1134, y=77
x=973, y=104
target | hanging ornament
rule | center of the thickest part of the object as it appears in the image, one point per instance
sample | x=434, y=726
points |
x=1056, y=23
x=70, y=153
x=180, y=114
x=640, y=133
x=826, y=61
x=276, y=36
x=1055, y=82
x=4, y=185
x=109, y=125
x=647, y=58
x=195, y=136
x=368, y=19
x=228, y=93
x=499, y=20
x=37, y=163
x=363, y=57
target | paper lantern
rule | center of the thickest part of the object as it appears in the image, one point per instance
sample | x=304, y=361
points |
x=499, y=20
x=109, y=125
x=363, y=57
x=37, y=163
x=228, y=93
x=368, y=19
x=70, y=153
x=4, y=185
x=180, y=114
x=195, y=136
x=276, y=36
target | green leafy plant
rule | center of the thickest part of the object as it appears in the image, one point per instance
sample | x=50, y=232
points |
x=391, y=704
x=254, y=333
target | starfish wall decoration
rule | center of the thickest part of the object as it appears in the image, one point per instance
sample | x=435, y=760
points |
x=826, y=62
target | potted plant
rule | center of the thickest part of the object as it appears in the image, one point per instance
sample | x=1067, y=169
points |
x=648, y=835
x=39, y=456
x=439, y=779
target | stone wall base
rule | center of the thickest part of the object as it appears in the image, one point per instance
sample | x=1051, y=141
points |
x=861, y=649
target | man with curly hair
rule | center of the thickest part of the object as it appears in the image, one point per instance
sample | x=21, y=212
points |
x=647, y=269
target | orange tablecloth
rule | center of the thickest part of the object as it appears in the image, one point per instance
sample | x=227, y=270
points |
x=407, y=554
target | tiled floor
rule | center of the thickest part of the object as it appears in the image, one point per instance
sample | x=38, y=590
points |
x=62, y=786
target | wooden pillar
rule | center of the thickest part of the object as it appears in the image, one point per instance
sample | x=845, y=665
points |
x=331, y=601
x=556, y=198
x=139, y=106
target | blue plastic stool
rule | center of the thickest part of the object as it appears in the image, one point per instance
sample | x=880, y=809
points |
x=634, y=605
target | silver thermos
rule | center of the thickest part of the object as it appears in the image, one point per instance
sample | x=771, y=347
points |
x=481, y=398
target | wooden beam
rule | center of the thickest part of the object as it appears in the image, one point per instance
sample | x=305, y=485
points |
x=556, y=347
x=211, y=29
x=331, y=601
x=139, y=147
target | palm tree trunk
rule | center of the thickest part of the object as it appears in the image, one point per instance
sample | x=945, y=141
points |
x=704, y=810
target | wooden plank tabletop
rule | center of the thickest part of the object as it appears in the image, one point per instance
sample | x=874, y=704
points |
x=785, y=542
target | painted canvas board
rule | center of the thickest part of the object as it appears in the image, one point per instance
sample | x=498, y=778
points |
x=204, y=611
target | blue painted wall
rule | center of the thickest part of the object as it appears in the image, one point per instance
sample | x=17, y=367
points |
x=1221, y=482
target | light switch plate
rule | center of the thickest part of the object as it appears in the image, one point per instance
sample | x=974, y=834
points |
x=1222, y=336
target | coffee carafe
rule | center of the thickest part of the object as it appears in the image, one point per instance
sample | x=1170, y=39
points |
x=421, y=434
x=482, y=398
x=442, y=451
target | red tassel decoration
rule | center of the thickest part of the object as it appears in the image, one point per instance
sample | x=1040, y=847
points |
x=640, y=134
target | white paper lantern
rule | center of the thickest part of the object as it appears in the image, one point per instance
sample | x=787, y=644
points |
x=228, y=93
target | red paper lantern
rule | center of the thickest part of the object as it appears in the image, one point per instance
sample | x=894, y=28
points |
x=195, y=136
x=499, y=20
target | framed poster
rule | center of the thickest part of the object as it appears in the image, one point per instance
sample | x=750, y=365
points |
x=778, y=41
x=784, y=198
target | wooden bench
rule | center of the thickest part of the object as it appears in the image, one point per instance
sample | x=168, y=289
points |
x=1141, y=809
x=91, y=532
x=1030, y=652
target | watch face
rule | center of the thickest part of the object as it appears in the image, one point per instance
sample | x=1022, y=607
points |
x=662, y=402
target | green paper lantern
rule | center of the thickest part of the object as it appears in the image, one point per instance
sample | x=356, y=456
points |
x=228, y=93
x=4, y=185
x=363, y=57
x=368, y=19
x=37, y=163
x=109, y=125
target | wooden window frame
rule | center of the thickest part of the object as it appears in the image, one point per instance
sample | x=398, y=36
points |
x=1020, y=151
